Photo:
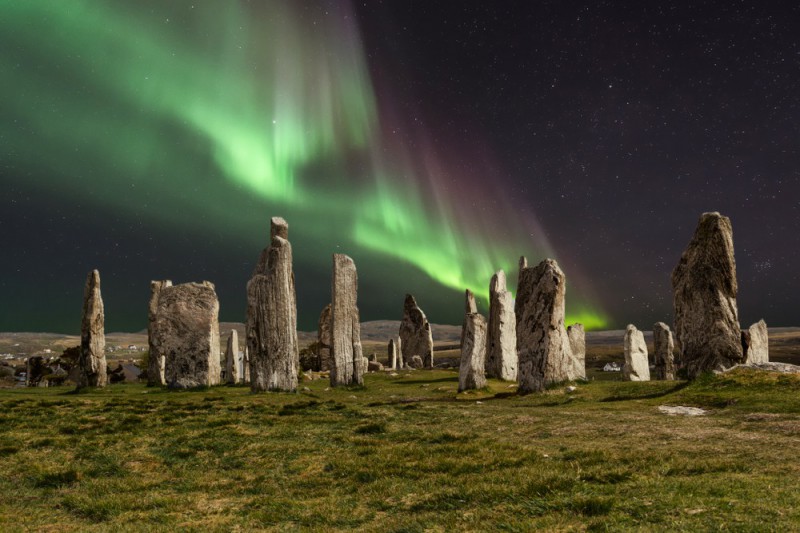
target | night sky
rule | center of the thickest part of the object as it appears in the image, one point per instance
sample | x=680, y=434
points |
x=433, y=142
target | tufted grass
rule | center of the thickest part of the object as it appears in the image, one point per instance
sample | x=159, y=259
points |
x=404, y=453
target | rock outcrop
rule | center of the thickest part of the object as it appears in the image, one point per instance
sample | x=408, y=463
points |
x=663, y=351
x=232, y=361
x=347, y=361
x=272, y=316
x=577, y=344
x=92, y=362
x=545, y=356
x=755, y=342
x=156, y=361
x=501, y=334
x=637, y=367
x=471, y=373
x=246, y=365
x=324, y=339
x=187, y=331
x=415, y=333
x=704, y=296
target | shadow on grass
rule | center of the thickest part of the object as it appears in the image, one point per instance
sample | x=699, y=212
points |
x=637, y=395
x=453, y=379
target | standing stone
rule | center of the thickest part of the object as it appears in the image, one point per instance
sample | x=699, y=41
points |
x=92, y=362
x=232, y=361
x=473, y=354
x=663, y=348
x=347, y=362
x=324, y=339
x=501, y=338
x=756, y=343
x=187, y=332
x=637, y=367
x=155, y=361
x=272, y=316
x=398, y=345
x=245, y=366
x=545, y=356
x=704, y=296
x=577, y=344
x=393, y=359
x=415, y=333
x=470, y=306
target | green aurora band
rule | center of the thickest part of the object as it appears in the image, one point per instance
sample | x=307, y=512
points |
x=182, y=100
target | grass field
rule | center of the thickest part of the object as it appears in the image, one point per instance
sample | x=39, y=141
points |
x=405, y=453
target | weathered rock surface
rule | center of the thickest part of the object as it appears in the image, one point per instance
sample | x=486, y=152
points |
x=415, y=333
x=187, y=331
x=542, y=344
x=470, y=306
x=756, y=344
x=272, y=316
x=415, y=362
x=92, y=362
x=347, y=362
x=663, y=351
x=324, y=339
x=501, y=335
x=156, y=361
x=232, y=361
x=783, y=368
x=471, y=373
x=374, y=366
x=577, y=344
x=637, y=367
x=394, y=360
x=704, y=296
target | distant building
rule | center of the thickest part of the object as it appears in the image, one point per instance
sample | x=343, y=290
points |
x=612, y=367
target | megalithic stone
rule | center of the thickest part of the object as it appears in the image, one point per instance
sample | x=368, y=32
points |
x=232, y=362
x=246, y=365
x=392, y=352
x=155, y=362
x=401, y=362
x=470, y=306
x=501, y=337
x=347, y=360
x=187, y=332
x=415, y=333
x=663, y=352
x=637, y=367
x=577, y=343
x=272, y=316
x=92, y=362
x=756, y=343
x=324, y=339
x=473, y=353
x=704, y=296
x=545, y=356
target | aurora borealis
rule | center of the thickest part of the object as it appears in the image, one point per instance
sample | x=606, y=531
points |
x=155, y=139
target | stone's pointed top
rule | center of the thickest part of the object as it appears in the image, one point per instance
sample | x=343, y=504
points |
x=661, y=325
x=410, y=301
x=470, y=306
x=208, y=284
x=523, y=262
x=278, y=227
x=498, y=283
x=93, y=279
x=631, y=327
x=711, y=214
x=576, y=327
x=342, y=259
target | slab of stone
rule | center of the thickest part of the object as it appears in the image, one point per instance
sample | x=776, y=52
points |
x=637, y=366
x=755, y=341
x=471, y=372
x=415, y=333
x=232, y=361
x=156, y=362
x=501, y=334
x=577, y=344
x=663, y=352
x=324, y=339
x=92, y=361
x=348, y=364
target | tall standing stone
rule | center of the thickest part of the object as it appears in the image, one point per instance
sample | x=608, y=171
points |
x=324, y=339
x=501, y=338
x=272, y=316
x=756, y=343
x=704, y=296
x=545, y=356
x=577, y=344
x=92, y=362
x=473, y=354
x=637, y=367
x=347, y=360
x=393, y=358
x=663, y=351
x=245, y=366
x=415, y=333
x=187, y=332
x=470, y=306
x=232, y=361
x=155, y=362
x=401, y=362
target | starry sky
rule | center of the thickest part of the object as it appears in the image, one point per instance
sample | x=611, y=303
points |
x=433, y=142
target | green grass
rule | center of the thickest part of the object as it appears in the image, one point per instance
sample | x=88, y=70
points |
x=404, y=453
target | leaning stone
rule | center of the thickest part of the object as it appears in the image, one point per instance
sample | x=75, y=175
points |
x=756, y=343
x=545, y=356
x=187, y=330
x=663, y=351
x=324, y=339
x=637, y=367
x=473, y=354
x=232, y=362
x=92, y=362
x=272, y=316
x=156, y=361
x=704, y=296
x=347, y=362
x=415, y=333
x=501, y=334
x=577, y=344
